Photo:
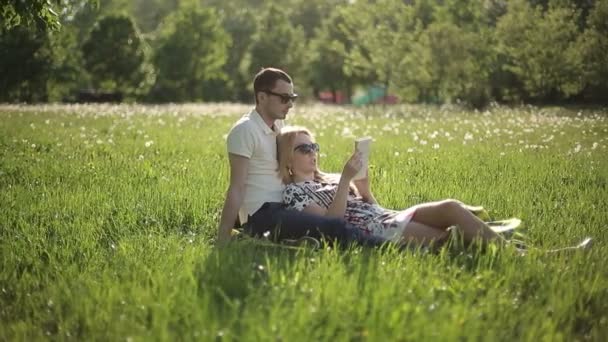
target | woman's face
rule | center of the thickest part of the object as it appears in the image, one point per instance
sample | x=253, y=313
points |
x=304, y=155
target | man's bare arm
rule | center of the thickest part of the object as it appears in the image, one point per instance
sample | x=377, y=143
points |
x=239, y=166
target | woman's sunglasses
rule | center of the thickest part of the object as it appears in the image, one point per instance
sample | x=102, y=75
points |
x=307, y=148
x=284, y=97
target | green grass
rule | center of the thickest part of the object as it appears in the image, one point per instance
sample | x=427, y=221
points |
x=108, y=216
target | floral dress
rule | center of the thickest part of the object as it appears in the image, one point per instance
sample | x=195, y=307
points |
x=372, y=219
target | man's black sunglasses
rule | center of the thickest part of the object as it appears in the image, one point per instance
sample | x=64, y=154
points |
x=307, y=148
x=284, y=97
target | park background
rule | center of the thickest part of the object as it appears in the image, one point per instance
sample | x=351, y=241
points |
x=109, y=212
x=439, y=51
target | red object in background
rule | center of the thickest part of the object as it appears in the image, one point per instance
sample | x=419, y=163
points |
x=388, y=99
x=328, y=97
x=340, y=98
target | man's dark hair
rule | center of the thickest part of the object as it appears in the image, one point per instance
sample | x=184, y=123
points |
x=266, y=79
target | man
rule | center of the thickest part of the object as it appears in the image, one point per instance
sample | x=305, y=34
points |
x=255, y=190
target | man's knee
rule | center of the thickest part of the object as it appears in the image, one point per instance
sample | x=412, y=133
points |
x=450, y=206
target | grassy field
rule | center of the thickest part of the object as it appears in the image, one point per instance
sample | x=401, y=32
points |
x=108, y=216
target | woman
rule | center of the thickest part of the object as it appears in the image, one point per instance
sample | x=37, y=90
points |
x=310, y=190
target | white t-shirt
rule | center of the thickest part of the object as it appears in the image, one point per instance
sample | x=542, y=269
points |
x=251, y=137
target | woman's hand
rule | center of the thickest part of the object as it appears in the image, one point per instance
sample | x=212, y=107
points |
x=337, y=208
x=362, y=184
x=364, y=188
x=352, y=166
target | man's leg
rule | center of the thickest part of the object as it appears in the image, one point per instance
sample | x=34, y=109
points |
x=277, y=223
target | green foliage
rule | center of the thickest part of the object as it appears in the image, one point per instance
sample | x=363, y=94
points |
x=45, y=15
x=465, y=14
x=114, y=55
x=39, y=65
x=67, y=74
x=540, y=48
x=149, y=14
x=458, y=64
x=593, y=44
x=328, y=44
x=191, y=53
x=32, y=12
x=382, y=34
x=328, y=53
x=26, y=59
x=82, y=16
x=433, y=61
x=310, y=14
x=474, y=51
x=239, y=21
x=276, y=43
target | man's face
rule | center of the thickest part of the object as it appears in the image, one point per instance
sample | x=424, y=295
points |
x=275, y=102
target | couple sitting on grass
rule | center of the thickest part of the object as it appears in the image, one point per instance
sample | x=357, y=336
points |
x=277, y=191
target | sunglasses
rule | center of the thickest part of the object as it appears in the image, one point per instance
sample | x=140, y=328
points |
x=284, y=97
x=307, y=148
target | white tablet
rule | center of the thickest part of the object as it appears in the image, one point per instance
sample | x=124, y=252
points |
x=363, y=145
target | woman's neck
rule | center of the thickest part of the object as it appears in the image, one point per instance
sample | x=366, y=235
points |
x=303, y=177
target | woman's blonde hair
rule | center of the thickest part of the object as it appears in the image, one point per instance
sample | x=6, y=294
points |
x=285, y=145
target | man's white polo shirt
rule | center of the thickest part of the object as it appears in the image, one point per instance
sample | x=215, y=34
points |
x=251, y=137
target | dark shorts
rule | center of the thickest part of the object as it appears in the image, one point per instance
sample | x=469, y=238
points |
x=274, y=221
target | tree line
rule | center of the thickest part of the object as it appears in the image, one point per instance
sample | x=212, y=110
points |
x=434, y=51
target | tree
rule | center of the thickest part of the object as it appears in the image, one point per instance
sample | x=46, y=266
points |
x=310, y=14
x=540, y=49
x=191, y=53
x=32, y=12
x=39, y=65
x=67, y=72
x=42, y=14
x=329, y=50
x=278, y=44
x=148, y=14
x=455, y=65
x=114, y=57
x=593, y=44
x=238, y=18
x=382, y=33
x=450, y=58
x=85, y=15
x=26, y=64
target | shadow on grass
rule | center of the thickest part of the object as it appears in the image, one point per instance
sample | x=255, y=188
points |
x=235, y=272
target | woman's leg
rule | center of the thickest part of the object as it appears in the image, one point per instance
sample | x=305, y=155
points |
x=444, y=214
x=423, y=235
